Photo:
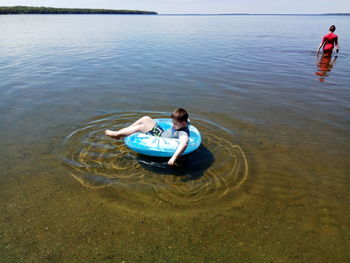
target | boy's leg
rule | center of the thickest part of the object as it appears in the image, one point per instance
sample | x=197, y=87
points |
x=144, y=120
x=143, y=124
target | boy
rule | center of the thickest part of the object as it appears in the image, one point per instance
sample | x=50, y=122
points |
x=147, y=125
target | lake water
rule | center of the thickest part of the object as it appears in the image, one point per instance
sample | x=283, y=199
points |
x=270, y=182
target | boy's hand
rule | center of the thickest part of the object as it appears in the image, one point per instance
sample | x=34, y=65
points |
x=171, y=161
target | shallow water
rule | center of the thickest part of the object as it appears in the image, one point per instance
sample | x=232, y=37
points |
x=270, y=182
x=199, y=180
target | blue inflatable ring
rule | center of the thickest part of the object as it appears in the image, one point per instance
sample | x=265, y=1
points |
x=159, y=146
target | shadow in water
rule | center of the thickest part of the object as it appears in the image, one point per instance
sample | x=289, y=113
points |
x=325, y=65
x=191, y=166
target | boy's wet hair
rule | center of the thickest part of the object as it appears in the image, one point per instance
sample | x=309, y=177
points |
x=180, y=115
x=332, y=28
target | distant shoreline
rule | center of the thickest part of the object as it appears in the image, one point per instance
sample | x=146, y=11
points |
x=19, y=10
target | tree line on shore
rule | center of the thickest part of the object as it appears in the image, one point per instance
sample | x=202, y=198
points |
x=8, y=10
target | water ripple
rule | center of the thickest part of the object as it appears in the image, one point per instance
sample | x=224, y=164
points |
x=202, y=179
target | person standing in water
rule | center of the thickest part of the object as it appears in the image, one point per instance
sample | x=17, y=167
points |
x=328, y=42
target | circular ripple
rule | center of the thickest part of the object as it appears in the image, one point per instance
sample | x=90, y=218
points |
x=207, y=178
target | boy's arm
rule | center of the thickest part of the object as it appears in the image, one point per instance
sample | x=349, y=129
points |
x=180, y=149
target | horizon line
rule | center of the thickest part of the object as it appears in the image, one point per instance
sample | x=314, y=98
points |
x=200, y=14
x=253, y=14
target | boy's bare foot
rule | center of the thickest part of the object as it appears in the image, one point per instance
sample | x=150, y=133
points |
x=112, y=134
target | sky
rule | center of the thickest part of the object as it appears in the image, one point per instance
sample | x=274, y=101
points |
x=200, y=6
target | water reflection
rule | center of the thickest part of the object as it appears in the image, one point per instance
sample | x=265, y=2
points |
x=188, y=167
x=325, y=65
